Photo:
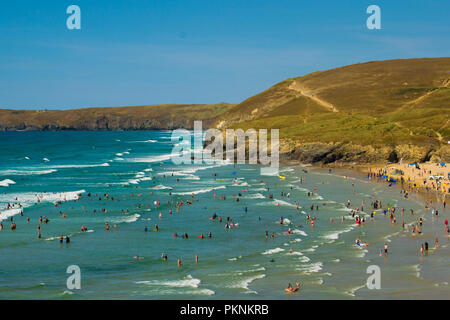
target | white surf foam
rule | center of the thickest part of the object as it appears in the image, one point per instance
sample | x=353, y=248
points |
x=311, y=268
x=272, y=251
x=186, y=282
x=25, y=172
x=200, y=191
x=254, y=196
x=28, y=199
x=301, y=232
x=151, y=159
x=246, y=282
x=162, y=187
x=125, y=219
x=6, y=182
x=334, y=235
x=66, y=166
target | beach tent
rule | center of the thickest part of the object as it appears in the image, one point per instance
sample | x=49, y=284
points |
x=412, y=164
x=442, y=164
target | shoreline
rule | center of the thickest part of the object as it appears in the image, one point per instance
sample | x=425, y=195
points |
x=413, y=178
x=406, y=239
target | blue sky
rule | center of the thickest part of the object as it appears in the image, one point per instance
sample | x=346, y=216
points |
x=196, y=51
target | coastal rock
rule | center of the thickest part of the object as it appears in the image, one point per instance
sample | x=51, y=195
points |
x=346, y=152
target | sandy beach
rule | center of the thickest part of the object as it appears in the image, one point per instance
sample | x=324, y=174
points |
x=427, y=177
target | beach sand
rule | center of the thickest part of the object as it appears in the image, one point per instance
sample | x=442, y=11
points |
x=417, y=178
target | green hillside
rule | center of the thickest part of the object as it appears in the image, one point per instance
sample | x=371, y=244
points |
x=378, y=104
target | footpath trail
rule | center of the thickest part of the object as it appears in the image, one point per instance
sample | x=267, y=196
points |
x=310, y=94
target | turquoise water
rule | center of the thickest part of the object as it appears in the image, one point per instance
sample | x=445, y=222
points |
x=135, y=170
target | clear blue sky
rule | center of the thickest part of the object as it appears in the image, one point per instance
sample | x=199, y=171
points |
x=196, y=51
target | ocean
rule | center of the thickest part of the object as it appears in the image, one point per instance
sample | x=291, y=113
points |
x=90, y=178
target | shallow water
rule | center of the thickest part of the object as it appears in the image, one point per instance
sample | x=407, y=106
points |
x=234, y=264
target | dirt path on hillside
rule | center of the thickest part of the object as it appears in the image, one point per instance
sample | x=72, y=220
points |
x=311, y=94
x=408, y=104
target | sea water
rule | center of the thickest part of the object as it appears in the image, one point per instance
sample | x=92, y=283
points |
x=39, y=169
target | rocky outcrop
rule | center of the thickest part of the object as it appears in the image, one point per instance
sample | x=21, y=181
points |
x=344, y=152
x=161, y=117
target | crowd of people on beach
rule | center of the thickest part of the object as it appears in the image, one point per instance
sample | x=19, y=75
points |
x=357, y=214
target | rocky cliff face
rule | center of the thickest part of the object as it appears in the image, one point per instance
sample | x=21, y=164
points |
x=161, y=117
x=328, y=153
x=106, y=124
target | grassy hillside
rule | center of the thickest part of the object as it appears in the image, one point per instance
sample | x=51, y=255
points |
x=380, y=103
x=118, y=118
